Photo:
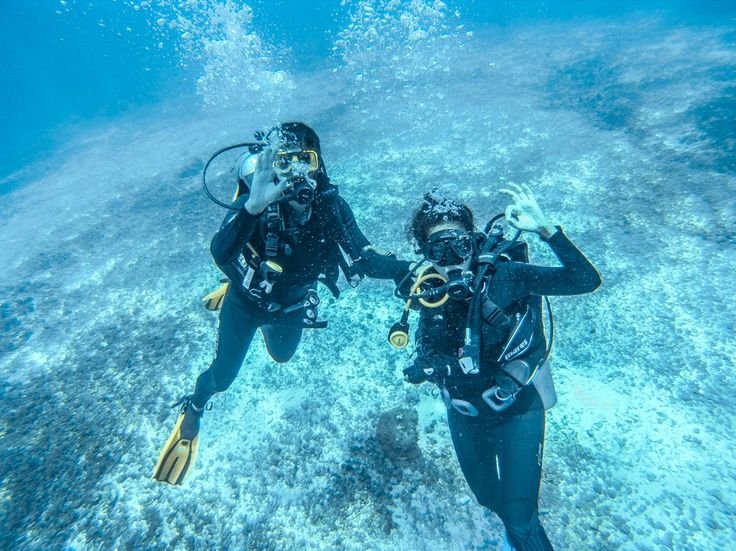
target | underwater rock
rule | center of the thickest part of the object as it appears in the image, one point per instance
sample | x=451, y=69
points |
x=411, y=396
x=13, y=332
x=596, y=87
x=191, y=170
x=397, y=433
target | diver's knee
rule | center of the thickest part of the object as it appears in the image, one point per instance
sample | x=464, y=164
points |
x=281, y=357
x=279, y=350
x=221, y=384
x=281, y=343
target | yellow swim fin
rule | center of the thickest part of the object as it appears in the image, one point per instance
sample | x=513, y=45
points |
x=214, y=300
x=177, y=457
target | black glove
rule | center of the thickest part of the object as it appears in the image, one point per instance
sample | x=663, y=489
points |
x=404, y=285
x=414, y=374
x=426, y=369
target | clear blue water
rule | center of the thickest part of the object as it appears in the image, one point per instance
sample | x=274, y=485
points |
x=622, y=120
x=70, y=63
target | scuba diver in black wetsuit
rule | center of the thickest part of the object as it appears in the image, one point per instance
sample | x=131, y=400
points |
x=288, y=229
x=481, y=340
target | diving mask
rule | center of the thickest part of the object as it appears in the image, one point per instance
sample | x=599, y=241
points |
x=301, y=161
x=296, y=166
x=448, y=247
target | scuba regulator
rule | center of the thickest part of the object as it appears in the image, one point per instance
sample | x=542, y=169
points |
x=425, y=290
x=457, y=283
x=301, y=189
x=432, y=289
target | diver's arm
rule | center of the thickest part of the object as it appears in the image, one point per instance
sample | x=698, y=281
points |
x=236, y=229
x=372, y=263
x=352, y=231
x=576, y=276
x=383, y=265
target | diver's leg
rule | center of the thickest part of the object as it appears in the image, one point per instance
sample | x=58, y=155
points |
x=474, y=443
x=234, y=336
x=282, y=339
x=520, y=444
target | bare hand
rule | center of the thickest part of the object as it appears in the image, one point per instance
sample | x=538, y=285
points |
x=263, y=190
x=524, y=213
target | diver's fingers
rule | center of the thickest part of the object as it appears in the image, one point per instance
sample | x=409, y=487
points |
x=262, y=161
x=529, y=193
x=523, y=192
x=511, y=212
x=511, y=215
x=264, y=167
x=519, y=191
x=513, y=194
x=281, y=185
x=269, y=154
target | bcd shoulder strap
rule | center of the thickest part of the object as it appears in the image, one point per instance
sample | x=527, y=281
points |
x=273, y=224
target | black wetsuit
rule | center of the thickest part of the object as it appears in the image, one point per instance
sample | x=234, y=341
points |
x=501, y=453
x=306, y=253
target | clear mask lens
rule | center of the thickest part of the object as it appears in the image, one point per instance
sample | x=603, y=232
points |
x=296, y=162
x=448, y=247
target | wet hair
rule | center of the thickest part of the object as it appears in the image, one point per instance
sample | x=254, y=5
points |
x=300, y=135
x=434, y=210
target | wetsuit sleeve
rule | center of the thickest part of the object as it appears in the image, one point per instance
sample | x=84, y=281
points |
x=576, y=275
x=372, y=263
x=384, y=265
x=236, y=229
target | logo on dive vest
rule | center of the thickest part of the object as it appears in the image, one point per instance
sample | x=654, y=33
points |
x=518, y=348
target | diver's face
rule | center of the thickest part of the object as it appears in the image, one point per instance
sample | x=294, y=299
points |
x=296, y=162
x=297, y=167
x=449, y=246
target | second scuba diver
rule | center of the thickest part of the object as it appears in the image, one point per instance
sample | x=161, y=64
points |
x=481, y=340
x=288, y=229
